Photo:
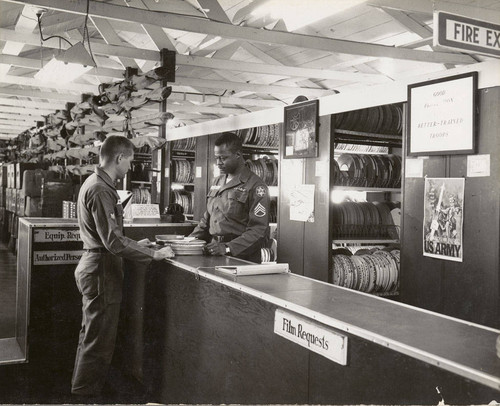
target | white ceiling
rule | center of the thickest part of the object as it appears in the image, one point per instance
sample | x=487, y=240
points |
x=230, y=59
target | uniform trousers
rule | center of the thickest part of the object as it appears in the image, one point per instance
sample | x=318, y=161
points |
x=100, y=284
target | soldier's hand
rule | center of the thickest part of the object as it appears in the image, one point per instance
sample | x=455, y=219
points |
x=164, y=253
x=215, y=248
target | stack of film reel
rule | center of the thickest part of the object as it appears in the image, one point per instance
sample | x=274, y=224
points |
x=141, y=195
x=364, y=220
x=387, y=119
x=185, y=199
x=371, y=271
x=185, y=144
x=266, y=136
x=265, y=168
x=368, y=170
x=183, y=170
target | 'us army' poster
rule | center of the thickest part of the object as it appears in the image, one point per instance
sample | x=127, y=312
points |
x=443, y=218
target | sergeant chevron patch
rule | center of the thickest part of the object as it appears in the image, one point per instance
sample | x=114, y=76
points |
x=259, y=211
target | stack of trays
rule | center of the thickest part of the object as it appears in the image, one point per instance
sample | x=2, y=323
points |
x=387, y=119
x=183, y=170
x=364, y=170
x=377, y=272
x=188, y=247
x=266, y=169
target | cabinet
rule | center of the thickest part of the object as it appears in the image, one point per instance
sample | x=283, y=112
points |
x=356, y=178
x=366, y=199
x=182, y=173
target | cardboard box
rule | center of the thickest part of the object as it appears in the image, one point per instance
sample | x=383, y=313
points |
x=33, y=207
x=23, y=166
x=53, y=194
x=33, y=178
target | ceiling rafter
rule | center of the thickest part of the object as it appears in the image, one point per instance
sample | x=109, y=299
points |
x=429, y=6
x=111, y=37
x=180, y=81
x=200, y=25
x=276, y=68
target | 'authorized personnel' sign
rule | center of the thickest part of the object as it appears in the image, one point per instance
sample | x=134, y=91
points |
x=311, y=335
x=56, y=257
x=466, y=34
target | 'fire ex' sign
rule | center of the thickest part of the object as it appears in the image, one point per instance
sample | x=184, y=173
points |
x=311, y=335
x=466, y=34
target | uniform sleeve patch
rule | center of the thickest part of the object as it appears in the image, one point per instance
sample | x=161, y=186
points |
x=259, y=211
x=261, y=191
x=112, y=215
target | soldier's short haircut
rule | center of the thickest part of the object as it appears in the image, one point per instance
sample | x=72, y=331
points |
x=231, y=140
x=115, y=145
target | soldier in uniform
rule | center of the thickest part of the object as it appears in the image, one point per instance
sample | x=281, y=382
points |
x=236, y=222
x=99, y=274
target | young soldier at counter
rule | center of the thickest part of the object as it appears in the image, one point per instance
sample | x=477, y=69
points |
x=99, y=274
x=236, y=222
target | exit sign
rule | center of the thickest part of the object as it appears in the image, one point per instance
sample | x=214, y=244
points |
x=466, y=34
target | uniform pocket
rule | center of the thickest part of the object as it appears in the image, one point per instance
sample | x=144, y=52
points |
x=88, y=275
x=237, y=201
x=88, y=285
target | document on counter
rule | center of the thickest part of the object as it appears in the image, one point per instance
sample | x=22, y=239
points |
x=241, y=270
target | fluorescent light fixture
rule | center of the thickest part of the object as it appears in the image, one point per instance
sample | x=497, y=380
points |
x=299, y=13
x=66, y=66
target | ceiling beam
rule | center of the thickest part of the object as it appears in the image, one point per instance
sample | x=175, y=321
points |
x=429, y=6
x=180, y=81
x=37, y=94
x=181, y=96
x=111, y=37
x=30, y=103
x=267, y=68
x=25, y=24
x=201, y=25
x=28, y=110
x=213, y=10
x=27, y=81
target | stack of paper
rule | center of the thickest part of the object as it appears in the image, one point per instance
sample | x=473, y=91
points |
x=240, y=270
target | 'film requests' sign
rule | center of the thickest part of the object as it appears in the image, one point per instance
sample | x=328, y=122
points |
x=466, y=34
x=311, y=335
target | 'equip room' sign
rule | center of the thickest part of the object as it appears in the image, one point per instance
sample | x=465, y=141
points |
x=311, y=335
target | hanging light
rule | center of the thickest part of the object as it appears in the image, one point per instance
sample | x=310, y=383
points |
x=66, y=66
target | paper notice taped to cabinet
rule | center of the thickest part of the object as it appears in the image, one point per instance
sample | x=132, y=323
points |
x=302, y=203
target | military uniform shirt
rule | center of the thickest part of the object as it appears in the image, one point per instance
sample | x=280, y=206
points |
x=100, y=218
x=239, y=208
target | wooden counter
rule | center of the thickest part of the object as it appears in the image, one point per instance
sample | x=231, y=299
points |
x=202, y=324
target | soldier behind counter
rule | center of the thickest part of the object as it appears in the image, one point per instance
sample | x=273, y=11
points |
x=236, y=222
x=99, y=274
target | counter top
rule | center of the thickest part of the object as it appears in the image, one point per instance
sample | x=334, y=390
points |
x=461, y=347
x=65, y=222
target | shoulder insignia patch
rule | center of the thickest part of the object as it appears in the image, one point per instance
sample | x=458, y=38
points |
x=261, y=191
x=259, y=211
x=112, y=215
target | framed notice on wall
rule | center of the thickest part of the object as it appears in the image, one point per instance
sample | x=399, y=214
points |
x=441, y=116
x=301, y=130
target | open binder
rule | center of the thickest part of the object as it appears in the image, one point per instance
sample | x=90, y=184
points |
x=262, y=269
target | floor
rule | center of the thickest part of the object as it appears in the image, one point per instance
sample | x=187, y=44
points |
x=7, y=292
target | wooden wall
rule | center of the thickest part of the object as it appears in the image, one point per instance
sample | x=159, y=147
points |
x=469, y=290
x=306, y=246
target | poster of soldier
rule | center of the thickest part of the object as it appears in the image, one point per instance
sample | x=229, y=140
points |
x=443, y=218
